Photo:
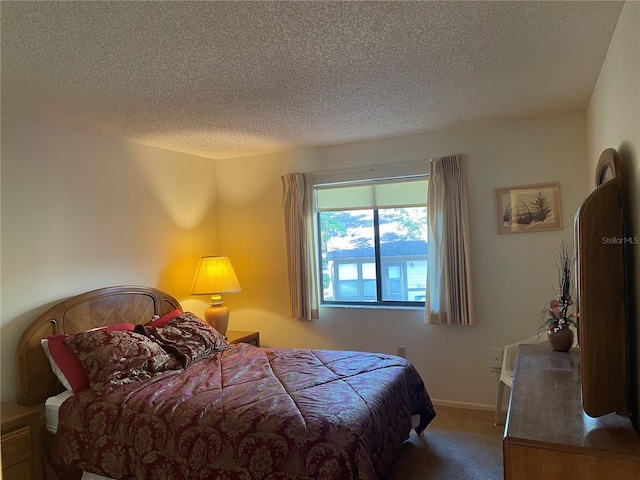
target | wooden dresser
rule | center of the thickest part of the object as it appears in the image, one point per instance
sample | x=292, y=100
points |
x=548, y=435
x=21, y=448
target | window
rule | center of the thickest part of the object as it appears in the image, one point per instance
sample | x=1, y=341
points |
x=373, y=241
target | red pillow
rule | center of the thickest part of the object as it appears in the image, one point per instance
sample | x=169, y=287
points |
x=167, y=317
x=64, y=362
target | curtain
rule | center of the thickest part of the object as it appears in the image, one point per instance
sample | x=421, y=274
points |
x=297, y=206
x=449, y=298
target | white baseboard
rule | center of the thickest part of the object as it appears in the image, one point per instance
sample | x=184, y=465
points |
x=470, y=406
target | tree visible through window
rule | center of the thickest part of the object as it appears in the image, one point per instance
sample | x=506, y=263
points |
x=374, y=255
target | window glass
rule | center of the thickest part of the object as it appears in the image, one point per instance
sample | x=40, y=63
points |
x=370, y=291
x=369, y=271
x=348, y=289
x=348, y=271
x=356, y=244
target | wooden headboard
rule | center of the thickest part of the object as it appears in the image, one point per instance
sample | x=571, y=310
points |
x=97, y=308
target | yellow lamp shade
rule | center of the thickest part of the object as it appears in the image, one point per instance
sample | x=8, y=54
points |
x=215, y=275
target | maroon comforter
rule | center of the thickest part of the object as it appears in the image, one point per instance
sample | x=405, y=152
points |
x=249, y=413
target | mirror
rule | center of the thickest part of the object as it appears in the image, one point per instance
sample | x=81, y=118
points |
x=607, y=168
x=605, y=175
x=600, y=275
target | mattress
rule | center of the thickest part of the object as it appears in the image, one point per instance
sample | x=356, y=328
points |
x=51, y=407
x=93, y=476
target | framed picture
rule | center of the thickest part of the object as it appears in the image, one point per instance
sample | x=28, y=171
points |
x=529, y=208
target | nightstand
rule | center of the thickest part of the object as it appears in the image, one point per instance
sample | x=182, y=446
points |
x=235, y=336
x=21, y=448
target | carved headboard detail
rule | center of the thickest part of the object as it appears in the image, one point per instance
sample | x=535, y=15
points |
x=106, y=306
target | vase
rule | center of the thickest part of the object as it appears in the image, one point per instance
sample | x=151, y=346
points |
x=560, y=340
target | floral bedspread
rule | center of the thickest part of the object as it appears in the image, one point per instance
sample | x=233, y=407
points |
x=249, y=413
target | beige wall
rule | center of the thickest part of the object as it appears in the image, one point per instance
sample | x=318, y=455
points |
x=613, y=120
x=81, y=211
x=513, y=274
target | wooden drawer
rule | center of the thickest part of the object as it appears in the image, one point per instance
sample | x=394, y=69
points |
x=19, y=471
x=21, y=448
x=16, y=446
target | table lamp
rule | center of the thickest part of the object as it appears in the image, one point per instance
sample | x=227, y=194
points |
x=214, y=276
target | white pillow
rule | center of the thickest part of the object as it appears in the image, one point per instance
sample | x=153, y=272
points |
x=54, y=366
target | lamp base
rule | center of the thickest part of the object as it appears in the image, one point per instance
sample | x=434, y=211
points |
x=218, y=317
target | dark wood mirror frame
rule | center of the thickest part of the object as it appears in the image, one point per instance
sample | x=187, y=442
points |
x=600, y=243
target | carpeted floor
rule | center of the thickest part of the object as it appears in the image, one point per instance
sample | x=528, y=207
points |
x=459, y=444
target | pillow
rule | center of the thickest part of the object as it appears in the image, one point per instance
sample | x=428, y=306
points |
x=65, y=363
x=119, y=356
x=187, y=337
x=161, y=321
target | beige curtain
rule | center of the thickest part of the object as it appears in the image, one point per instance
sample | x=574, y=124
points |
x=449, y=298
x=297, y=206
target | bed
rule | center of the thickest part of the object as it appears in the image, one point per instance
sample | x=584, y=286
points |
x=209, y=409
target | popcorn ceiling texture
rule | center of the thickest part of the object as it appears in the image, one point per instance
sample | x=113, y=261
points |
x=230, y=79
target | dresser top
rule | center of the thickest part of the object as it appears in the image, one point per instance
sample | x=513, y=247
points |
x=546, y=407
x=10, y=413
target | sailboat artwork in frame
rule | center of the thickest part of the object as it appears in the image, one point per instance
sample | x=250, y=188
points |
x=529, y=208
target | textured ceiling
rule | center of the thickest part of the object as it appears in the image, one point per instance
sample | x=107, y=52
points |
x=230, y=79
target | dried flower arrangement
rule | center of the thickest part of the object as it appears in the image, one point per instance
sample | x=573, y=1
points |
x=560, y=312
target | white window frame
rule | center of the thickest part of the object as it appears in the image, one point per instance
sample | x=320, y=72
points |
x=324, y=181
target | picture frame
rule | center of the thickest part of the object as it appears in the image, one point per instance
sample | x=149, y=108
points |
x=529, y=208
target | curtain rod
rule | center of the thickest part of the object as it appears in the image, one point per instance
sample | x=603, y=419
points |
x=370, y=168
